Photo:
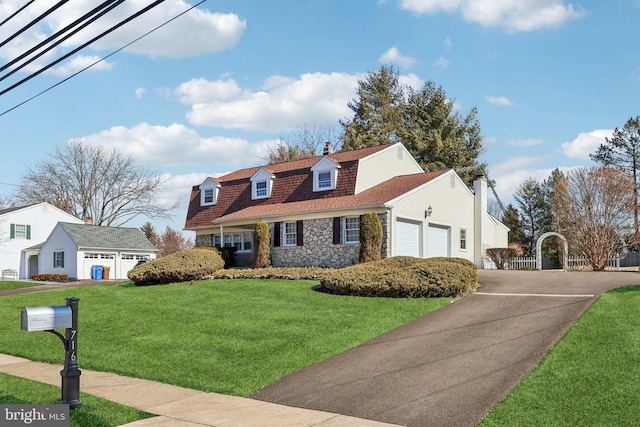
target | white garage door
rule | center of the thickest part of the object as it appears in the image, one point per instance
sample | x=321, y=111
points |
x=438, y=241
x=407, y=238
x=101, y=259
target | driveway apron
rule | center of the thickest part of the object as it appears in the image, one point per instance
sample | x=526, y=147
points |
x=452, y=366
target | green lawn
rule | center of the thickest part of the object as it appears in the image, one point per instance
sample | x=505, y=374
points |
x=14, y=284
x=95, y=412
x=225, y=336
x=590, y=378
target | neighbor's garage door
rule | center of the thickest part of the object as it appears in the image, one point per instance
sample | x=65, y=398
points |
x=407, y=238
x=438, y=241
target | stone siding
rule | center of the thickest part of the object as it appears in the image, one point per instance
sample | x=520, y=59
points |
x=318, y=249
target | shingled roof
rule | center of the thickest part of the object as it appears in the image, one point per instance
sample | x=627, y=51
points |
x=88, y=236
x=293, y=191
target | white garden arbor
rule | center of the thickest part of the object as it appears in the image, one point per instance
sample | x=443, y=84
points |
x=539, y=250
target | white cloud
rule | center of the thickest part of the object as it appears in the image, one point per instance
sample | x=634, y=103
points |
x=411, y=80
x=177, y=145
x=200, y=31
x=286, y=105
x=499, y=100
x=448, y=44
x=512, y=15
x=442, y=62
x=585, y=144
x=140, y=91
x=394, y=56
x=517, y=163
x=525, y=142
x=79, y=63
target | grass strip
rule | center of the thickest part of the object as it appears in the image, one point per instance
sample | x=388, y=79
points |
x=6, y=285
x=226, y=336
x=95, y=412
x=590, y=378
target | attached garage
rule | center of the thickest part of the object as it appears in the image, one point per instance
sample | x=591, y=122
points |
x=408, y=238
x=438, y=241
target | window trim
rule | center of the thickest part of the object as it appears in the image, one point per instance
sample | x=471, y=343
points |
x=262, y=176
x=209, y=186
x=463, y=239
x=58, y=259
x=345, y=230
x=289, y=231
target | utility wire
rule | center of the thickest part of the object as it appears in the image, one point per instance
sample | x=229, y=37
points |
x=56, y=35
x=15, y=13
x=34, y=22
x=82, y=46
x=101, y=59
x=90, y=21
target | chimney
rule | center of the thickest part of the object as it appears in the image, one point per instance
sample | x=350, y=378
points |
x=480, y=218
x=87, y=221
x=327, y=149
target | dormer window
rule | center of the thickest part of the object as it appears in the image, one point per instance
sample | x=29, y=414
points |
x=261, y=189
x=209, y=190
x=261, y=184
x=325, y=175
x=324, y=179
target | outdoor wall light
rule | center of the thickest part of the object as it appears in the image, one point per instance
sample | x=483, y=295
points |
x=427, y=213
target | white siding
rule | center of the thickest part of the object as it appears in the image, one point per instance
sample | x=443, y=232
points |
x=384, y=165
x=59, y=241
x=452, y=206
x=41, y=218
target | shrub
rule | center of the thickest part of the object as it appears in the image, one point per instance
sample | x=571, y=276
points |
x=404, y=277
x=370, y=237
x=190, y=264
x=261, y=245
x=501, y=256
x=287, y=273
x=50, y=277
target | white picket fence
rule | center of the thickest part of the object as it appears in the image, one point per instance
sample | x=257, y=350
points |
x=573, y=263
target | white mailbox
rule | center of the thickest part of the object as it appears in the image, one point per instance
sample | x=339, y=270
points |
x=45, y=318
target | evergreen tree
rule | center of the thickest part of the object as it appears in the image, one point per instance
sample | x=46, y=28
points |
x=425, y=121
x=533, y=212
x=623, y=151
x=150, y=231
x=378, y=109
x=511, y=219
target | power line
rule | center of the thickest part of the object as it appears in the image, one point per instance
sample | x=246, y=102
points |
x=99, y=60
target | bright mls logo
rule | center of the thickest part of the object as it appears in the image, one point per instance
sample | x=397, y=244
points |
x=34, y=415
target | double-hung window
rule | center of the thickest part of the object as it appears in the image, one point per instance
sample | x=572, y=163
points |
x=58, y=260
x=463, y=239
x=290, y=234
x=261, y=189
x=208, y=196
x=20, y=231
x=352, y=230
x=324, y=179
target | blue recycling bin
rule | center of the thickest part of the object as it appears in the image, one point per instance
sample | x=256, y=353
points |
x=96, y=272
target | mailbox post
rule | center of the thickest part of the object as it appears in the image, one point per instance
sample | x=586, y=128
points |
x=71, y=373
x=48, y=319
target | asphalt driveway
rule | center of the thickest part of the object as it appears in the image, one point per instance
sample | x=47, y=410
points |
x=452, y=366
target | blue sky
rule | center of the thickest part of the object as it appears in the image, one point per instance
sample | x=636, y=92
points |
x=209, y=92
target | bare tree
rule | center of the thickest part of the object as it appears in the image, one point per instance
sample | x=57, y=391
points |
x=93, y=182
x=172, y=241
x=302, y=144
x=594, y=208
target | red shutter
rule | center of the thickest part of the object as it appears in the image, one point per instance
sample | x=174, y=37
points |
x=276, y=234
x=299, y=241
x=336, y=231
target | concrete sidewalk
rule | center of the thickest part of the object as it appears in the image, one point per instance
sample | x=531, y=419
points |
x=182, y=407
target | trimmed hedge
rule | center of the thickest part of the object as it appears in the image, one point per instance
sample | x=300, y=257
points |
x=50, y=277
x=286, y=273
x=190, y=264
x=404, y=277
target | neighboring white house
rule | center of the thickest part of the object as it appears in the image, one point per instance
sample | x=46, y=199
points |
x=313, y=208
x=26, y=227
x=73, y=249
